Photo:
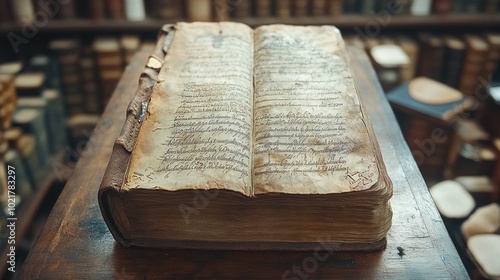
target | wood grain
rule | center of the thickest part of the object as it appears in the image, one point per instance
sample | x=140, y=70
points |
x=75, y=243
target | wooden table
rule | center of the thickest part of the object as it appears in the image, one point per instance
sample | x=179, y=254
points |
x=75, y=242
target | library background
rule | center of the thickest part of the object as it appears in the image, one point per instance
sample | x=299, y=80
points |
x=60, y=62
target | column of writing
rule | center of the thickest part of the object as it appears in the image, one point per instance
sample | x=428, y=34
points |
x=300, y=110
x=211, y=126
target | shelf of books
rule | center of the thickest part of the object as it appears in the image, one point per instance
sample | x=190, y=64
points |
x=342, y=22
x=139, y=15
x=27, y=207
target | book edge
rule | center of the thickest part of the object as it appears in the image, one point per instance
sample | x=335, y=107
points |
x=117, y=167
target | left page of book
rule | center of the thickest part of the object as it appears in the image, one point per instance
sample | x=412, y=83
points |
x=197, y=133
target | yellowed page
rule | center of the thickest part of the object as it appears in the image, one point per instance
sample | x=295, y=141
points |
x=310, y=137
x=197, y=134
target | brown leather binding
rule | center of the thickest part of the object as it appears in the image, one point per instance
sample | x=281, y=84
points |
x=118, y=163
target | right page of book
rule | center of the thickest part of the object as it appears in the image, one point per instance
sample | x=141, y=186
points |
x=310, y=135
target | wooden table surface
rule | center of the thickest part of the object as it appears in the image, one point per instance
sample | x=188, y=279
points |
x=76, y=244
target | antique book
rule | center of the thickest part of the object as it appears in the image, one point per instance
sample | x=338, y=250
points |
x=247, y=139
x=89, y=85
x=241, y=9
x=80, y=128
x=388, y=60
x=442, y=7
x=283, y=8
x=199, y=10
x=165, y=9
x=5, y=11
x=32, y=121
x=262, y=8
x=55, y=119
x=135, y=10
x=454, y=55
x=129, y=44
x=110, y=64
x=68, y=10
x=351, y=6
x=493, y=56
x=27, y=149
x=300, y=8
x=30, y=83
x=318, y=7
x=411, y=48
x=23, y=10
x=334, y=7
x=476, y=56
x=68, y=55
x=97, y=9
x=115, y=9
x=421, y=7
x=8, y=97
x=427, y=111
x=431, y=56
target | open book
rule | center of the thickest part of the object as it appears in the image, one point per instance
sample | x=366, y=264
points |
x=247, y=139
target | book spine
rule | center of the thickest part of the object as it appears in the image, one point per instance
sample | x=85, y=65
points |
x=458, y=6
x=490, y=6
x=417, y=131
x=442, y=7
x=411, y=49
x=199, y=10
x=318, y=8
x=283, y=8
x=242, y=9
x=421, y=7
x=37, y=127
x=8, y=96
x=67, y=10
x=472, y=6
x=262, y=8
x=115, y=9
x=80, y=128
x=31, y=160
x=367, y=7
x=55, y=119
x=134, y=10
x=334, y=7
x=110, y=66
x=475, y=59
x=166, y=9
x=301, y=8
x=351, y=6
x=5, y=11
x=431, y=56
x=24, y=10
x=493, y=56
x=97, y=9
x=452, y=65
x=69, y=72
x=111, y=182
x=405, y=7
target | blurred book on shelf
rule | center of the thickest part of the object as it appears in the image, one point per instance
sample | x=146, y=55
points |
x=222, y=10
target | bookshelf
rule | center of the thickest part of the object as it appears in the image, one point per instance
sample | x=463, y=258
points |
x=28, y=210
x=343, y=22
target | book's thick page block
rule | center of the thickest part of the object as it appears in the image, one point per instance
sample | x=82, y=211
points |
x=247, y=139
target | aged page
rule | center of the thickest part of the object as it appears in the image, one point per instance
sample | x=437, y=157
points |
x=197, y=134
x=310, y=136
